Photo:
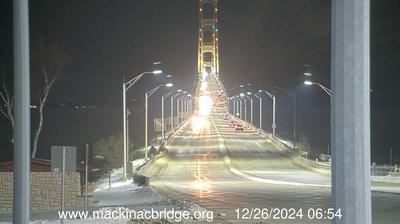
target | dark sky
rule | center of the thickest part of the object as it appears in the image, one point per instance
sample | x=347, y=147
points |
x=263, y=42
x=260, y=41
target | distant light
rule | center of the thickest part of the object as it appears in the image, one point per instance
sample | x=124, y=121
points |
x=156, y=72
x=179, y=90
x=308, y=83
x=203, y=86
x=169, y=84
x=307, y=74
x=184, y=92
x=205, y=104
x=157, y=63
x=242, y=94
x=248, y=93
x=241, y=86
x=189, y=95
x=260, y=91
x=168, y=76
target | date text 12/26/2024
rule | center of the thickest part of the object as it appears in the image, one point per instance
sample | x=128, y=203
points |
x=287, y=213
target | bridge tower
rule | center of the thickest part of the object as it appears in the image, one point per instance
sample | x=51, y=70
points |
x=208, y=39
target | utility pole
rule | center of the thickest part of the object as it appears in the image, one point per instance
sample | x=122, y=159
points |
x=350, y=130
x=391, y=157
x=63, y=183
x=146, y=108
x=22, y=143
x=86, y=174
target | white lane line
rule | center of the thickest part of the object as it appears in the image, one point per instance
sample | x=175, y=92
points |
x=239, y=173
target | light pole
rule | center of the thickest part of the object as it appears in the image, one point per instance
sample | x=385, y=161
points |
x=125, y=87
x=187, y=105
x=227, y=101
x=238, y=106
x=291, y=94
x=146, y=107
x=245, y=106
x=179, y=91
x=162, y=115
x=308, y=82
x=234, y=106
x=248, y=96
x=273, y=109
x=260, y=104
x=326, y=89
x=179, y=108
x=241, y=105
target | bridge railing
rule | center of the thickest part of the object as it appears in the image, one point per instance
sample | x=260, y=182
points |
x=266, y=134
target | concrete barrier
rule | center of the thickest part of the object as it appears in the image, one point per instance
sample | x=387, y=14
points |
x=317, y=167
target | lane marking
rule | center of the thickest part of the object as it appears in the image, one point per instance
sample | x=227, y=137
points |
x=239, y=173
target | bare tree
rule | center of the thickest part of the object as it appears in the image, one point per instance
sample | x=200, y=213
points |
x=6, y=103
x=49, y=62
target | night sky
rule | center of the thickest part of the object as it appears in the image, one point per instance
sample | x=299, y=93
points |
x=262, y=42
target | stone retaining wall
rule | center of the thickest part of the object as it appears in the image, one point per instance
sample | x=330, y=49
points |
x=45, y=191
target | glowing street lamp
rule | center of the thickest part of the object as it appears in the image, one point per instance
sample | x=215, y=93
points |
x=308, y=83
x=146, y=106
x=248, y=96
x=125, y=87
x=326, y=89
x=273, y=109
x=307, y=74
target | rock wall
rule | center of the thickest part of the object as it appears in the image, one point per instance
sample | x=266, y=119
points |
x=45, y=191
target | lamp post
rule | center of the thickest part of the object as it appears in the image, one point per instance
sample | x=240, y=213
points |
x=241, y=105
x=187, y=105
x=146, y=107
x=234, y=106
x=326, y=89
x=273, y=109
x=172, y=107
x=260, y=104
x=179, y=107
x=125, y=87
x=291, y=94
x=248, y=96
x=238, y=106
x=162, y=115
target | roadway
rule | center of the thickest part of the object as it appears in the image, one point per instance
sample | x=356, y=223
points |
x=223, y=170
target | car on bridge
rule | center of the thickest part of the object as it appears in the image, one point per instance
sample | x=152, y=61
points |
x=239, y=127
x=232, y=124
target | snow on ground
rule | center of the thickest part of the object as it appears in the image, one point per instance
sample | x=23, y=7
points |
x=116, y=178
x=124, y=195
x=386, y=179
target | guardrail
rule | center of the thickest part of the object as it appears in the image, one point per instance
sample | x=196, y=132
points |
x=262, y=132
x=318, y=167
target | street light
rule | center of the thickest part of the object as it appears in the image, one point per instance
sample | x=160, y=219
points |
x=179, y=106
x=326, y=89
x=179, y=91
x=187, y=104
x=291, y=94
x=307, y=74
x=273, y=109
x=162, y=115
x=238, y=106
x=260, y=104
x=241, y=95
x=248, y=95
x=146, y=106
x=125, y=87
